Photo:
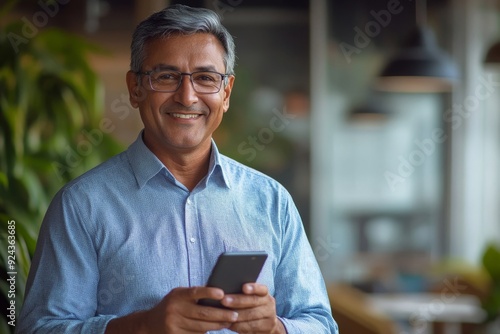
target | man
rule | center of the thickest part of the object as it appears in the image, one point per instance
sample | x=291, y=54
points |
x=128, y=246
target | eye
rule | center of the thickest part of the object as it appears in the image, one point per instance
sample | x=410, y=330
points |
x=166, y=76
x=206, y=77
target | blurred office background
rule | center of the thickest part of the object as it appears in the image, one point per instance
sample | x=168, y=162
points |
x=392, y=181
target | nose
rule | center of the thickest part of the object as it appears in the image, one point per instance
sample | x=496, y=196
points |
x=186, y=94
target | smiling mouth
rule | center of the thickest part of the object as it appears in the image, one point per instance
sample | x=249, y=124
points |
x=185, y=116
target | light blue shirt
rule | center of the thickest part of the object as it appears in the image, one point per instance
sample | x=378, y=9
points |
x=117, y=239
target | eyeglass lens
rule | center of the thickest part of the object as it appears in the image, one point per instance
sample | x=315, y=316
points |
x=170, y=81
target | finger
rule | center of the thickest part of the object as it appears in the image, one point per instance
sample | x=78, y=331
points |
x=195, y=293
x=255, y=289
x=255, y=313
x=242, y=302
x=183, y=302
x=182, y=314
x=213, y=314
x=202, y=292
x=179, y=313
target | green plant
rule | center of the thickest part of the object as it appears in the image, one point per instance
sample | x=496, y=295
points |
x=51, y=105
x=481, y=279
x=491, y=263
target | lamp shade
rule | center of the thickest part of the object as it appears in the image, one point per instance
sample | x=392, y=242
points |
x=419, y=67
x=493, y=54
x=373, y=109
x=367, y=113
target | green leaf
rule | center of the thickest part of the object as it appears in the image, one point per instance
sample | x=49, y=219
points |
x=48, y=94
x=491, y=261
x=4, y=182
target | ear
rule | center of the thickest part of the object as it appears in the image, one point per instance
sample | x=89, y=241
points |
x=227, y=92
x=134, y=90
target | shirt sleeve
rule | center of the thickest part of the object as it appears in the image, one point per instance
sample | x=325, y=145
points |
x=61, y=292
x=302, y=302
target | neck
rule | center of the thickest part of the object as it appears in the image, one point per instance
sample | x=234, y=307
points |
x=189, y=169
x=189, y=166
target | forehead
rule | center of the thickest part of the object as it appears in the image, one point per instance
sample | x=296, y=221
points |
x=185, y=52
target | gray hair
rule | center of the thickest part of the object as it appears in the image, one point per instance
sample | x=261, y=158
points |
x=184, y=20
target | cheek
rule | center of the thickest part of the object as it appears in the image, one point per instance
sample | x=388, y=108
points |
x=153, y=103
x=217, y=103
x=150, y=110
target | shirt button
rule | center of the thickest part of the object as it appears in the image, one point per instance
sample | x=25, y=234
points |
x=189, y=201
x=192, y=240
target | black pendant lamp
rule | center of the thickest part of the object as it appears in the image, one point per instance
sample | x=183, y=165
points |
x=420, y=66
x=493, y=55
x=367, y=113
x=372, y=110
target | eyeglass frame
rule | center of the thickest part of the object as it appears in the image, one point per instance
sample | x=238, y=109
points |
x=182, y=74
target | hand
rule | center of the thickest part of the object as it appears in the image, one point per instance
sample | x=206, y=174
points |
x=177, y=313
x=256, y=311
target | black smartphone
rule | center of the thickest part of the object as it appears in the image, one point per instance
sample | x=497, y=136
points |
x=232, y=270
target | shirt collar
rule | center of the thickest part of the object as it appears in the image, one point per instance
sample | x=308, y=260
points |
x=145, y=165
x=216, y=168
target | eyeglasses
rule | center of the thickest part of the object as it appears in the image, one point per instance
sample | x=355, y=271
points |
x=204, y=82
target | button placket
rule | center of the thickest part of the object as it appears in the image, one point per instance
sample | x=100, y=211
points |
x=193, y=247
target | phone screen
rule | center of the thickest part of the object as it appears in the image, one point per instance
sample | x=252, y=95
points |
x=232, y=270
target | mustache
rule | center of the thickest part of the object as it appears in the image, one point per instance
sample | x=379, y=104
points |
x=183, y=109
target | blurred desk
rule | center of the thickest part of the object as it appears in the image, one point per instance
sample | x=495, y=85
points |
x=419, y=310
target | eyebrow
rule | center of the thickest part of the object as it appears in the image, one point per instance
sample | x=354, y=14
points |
x=161, y=67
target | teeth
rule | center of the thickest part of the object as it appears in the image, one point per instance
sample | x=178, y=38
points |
x=185, y=115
